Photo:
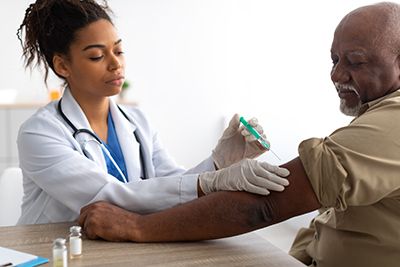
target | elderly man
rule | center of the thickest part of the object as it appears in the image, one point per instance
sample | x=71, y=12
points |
x=352, y=176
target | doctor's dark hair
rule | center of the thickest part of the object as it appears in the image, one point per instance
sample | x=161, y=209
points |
x=50, y=28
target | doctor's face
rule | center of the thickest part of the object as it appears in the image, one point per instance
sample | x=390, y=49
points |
x=96, y=64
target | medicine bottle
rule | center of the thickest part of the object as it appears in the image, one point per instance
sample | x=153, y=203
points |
x=75, y=242
x=60, y=257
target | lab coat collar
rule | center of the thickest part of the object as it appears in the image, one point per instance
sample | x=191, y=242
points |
x=73, y=111
x=121, y=123
x=125, y=129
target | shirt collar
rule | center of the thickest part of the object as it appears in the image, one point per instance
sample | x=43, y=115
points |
x=372, y=103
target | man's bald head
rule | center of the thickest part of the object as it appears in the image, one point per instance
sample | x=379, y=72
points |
x=379, y=22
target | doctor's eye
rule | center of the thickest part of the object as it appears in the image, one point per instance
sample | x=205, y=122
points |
x=96, y=58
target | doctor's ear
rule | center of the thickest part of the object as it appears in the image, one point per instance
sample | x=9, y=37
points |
x=60, y=65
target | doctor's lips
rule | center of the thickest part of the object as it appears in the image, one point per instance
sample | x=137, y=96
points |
x=116, y=80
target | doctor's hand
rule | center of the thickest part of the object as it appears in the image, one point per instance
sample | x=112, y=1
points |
x=104, y=220
x=238, y=143
x=246, y=175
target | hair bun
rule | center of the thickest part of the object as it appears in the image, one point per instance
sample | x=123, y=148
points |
x=50, y=27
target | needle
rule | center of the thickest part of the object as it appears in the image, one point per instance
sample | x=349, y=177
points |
x=257, y=135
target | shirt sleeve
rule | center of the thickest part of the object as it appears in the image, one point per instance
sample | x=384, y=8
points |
x=354, y=164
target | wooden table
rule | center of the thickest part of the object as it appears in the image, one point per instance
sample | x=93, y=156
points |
x=245, y=250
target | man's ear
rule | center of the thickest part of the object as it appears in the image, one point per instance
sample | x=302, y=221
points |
x=60, y=66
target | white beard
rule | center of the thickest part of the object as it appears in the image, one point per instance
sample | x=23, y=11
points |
x=349, y=111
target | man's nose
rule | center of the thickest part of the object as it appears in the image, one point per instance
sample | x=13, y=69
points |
x=340, y=74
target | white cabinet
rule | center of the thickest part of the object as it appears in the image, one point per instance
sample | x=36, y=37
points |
x=11, y=118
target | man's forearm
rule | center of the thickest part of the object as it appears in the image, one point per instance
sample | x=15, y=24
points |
x=224, y=214
x=217, y=215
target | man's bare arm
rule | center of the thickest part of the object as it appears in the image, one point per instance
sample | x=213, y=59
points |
x=216, y=215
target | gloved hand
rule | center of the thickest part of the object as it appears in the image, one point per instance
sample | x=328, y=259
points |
x=238, y=143
x=246, y=175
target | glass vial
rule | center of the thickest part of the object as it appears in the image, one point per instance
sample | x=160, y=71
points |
x=60, y=257
x=75, y=242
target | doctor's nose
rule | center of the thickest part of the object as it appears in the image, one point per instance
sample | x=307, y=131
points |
x=115, y=63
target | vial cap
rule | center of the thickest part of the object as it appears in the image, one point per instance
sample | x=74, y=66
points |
x=60, y=242
x=75, y=229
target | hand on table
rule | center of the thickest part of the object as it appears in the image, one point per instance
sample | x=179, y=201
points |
x=104, y=220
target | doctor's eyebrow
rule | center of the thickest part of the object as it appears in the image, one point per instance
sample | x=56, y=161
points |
x=99, y=45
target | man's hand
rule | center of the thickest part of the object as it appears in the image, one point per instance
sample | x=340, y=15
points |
x=109, y=222
x=237, y=143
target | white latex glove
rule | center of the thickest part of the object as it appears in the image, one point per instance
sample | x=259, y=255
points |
x=238, y=143
x=246, y=175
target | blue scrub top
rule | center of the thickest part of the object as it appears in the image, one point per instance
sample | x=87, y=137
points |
x=114, y=148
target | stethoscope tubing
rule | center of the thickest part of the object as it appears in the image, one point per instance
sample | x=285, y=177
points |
x=103, y=147
x=100, y=143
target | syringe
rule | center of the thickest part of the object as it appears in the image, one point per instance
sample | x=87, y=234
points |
x=257, y=135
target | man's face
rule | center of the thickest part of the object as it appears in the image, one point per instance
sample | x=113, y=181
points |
x=364, y=68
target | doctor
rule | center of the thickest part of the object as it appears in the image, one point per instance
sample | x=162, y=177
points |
x=84, y=148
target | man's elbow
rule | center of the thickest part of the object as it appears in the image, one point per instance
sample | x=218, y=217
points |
x=265, y=213
x=257, y=211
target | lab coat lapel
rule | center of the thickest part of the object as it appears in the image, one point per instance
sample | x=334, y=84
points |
x=129, y=146
x=75, y=114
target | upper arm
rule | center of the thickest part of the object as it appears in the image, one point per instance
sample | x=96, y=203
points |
x=297, y=198
x=261, y=211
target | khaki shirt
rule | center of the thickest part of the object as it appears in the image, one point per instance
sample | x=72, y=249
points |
x=355, y=174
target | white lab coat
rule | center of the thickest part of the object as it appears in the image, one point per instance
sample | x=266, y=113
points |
x=59, y=180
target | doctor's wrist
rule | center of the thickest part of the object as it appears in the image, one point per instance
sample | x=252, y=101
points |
x=200, y=192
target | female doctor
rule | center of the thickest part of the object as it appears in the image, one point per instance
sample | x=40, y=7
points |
x=84, y=148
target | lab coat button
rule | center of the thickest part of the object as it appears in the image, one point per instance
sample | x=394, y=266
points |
x=314, y=263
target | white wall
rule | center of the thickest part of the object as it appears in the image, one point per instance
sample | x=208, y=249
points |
x=194, y=63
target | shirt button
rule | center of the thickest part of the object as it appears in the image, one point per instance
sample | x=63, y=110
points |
x=328, y=212
x=314, y=263
x=315, y=236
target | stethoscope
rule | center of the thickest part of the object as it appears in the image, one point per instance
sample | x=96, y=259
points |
x=98, y=141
